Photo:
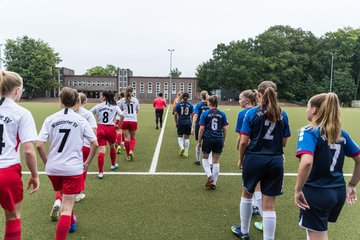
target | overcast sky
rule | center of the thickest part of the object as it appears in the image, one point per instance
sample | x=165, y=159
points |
x=137, y=34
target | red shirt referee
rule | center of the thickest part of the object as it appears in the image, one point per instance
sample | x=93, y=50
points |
x=159, y=105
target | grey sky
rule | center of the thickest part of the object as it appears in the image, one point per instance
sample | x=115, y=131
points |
x=136, y=34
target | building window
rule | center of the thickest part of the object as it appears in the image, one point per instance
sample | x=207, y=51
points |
x=166, y=90
x=102, y=84
x=97, y=83
x=173, y=89
x=112, y=84
x=89, y=83
x=134, y=89
x=75, y=83
x=79, y=83
x=84, y=83
x=93, y=83
x=149, y=87
x=190, y=90
x=142, y=87
x=182, y=87
x=70, y=83
x=106, y=84
x=157, y=88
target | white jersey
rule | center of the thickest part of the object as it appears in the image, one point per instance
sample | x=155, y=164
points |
x=16, y=125
x=91, y=120
x=130, y=110
x=66, y=131
x=106, y=113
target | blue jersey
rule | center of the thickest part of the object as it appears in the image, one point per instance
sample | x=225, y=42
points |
x=199, y=109
x=265, y=136
x=184, y=111
x=327, y=168
x=240, y=119
x=213, y=120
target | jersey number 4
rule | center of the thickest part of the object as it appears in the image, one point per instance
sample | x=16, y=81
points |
x=2, y=144
x=63, y=141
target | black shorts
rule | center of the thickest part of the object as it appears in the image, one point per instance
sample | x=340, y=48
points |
x=197, y=127
x=184, y=130
x=266, y=169
x=325, y=206
x=214, y=145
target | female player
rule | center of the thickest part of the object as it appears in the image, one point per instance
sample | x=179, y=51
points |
x=119, y=134
x=130, y=106
x=267, y=128
x=199, y=109
x=106, y=112
x=212, y=134
x=63, y=163
x=183, y=112
x=320, y=190
x=16, y=126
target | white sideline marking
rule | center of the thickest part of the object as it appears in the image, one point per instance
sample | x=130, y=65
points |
x=155, y=159
x=175, y=173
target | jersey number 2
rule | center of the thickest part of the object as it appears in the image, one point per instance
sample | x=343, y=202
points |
x=268, y=135
x=63, y=141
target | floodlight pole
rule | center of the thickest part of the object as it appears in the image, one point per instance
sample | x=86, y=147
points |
x=170, y=87
x=332, y=69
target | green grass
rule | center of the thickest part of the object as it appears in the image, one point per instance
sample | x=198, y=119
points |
x=173, y=207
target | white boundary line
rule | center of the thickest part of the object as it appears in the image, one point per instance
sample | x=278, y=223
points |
x=155, y=159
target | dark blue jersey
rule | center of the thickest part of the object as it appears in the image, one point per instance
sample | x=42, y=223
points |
x=184, y=111
x=213, y=120
x=240, y=119
x=199, y=109
x=265, y=136
x=327, y=168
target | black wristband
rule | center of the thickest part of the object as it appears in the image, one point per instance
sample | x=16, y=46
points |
x=351, y=184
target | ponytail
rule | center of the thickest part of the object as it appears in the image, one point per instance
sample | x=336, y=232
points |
x=273, y=110
x=250, y=96
x=109, y=97
x=185, y=96
x=128, y=94
x=213, y=100
x=204, y=95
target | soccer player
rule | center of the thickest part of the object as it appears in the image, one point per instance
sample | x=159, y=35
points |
x=212, y=134
x=119, y=134
x=130, y=106
x=199, y=109
x=159, y=104
x=106, y=112
x=267, y=128
x=63, y=163
x=320, y=190
x=183, y=112
x=16, y=126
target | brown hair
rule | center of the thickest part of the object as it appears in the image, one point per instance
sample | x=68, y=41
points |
x=128, y=94
x=213, y=100
x=9, y=81
x=204, y=95
x=268, y=91
x=69, y=97
x=83, y=98
x=249, y=95
x=327, y=116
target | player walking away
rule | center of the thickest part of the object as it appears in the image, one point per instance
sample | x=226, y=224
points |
x=267, y=128
x=212, y=134
x=177, y=99
x=183, y=113
x=130, y=106
x=16, y=126
x=119, y=134
x=320, y=190
x=159, y=104
x=63, y=163
x=199, y=109
x=106, y=112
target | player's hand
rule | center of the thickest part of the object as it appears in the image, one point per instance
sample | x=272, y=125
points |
x=238, y=146
x=239, y=164
x=198, y=145
x=35, y=183
x=350, y=194
x=192, y=131
x=86, y=166
x=300, y=201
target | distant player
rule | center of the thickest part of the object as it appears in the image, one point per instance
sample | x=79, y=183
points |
x=266, y=127
x=199, y=109
x=16, y=126
x=106, y=112
x=64, y=165
x=119, y=134
x=183, y=114
x=130, y=106
x=159, y=104
x=320, y=190
x=212, y=134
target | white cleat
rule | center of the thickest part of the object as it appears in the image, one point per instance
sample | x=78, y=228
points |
x=79, y=197
x=100, y=175
x=55, y=211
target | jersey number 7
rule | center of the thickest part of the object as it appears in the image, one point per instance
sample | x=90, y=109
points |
x=63, y=141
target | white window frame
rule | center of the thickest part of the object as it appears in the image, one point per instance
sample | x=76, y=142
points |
x=142, y=87
x=173, y=88
x=112, y=84
x=157, y=88
x=133, y=84
x=166, y=90
x=150, y=87
x=190, y=90
x=182, y=87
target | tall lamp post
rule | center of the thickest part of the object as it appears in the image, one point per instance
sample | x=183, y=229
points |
x=170, y=87
x=332, y=69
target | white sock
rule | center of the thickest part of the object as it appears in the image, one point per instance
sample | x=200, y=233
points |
x=187, y=144
x=245, y=214
x=210, y=158
x=206, y=166
x=253, y=201
x=258, y=199
x=216, y=172
x=307, y=235
x=181, y=142
x=269, y=225
x=198, y=152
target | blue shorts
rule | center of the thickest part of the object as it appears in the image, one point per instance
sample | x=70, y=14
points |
x=266, y=169
x=325, y=206
x=214, y=145
x=184, y=130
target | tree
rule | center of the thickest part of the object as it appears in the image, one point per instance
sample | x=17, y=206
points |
x=175, y=73
x=109, y=70
x=35, y=61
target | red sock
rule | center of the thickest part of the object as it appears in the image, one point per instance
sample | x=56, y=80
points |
x=127, y=147
x=113, y=156
x=63, y=227
x=132, y=143
x=13, y=230
x=118, y=139
x=58, y=196
x=101, y=157
x=123, y=138
x=72, y=217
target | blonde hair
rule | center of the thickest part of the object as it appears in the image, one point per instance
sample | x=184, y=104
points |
x=69, y=97
x=327, y=116
x=9, y=81
x=204, y=95
x=128, y=94
x=213, y=100
x=83, y=98
x=268, y=91
x=249, y=95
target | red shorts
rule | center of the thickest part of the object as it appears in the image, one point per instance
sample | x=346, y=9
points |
x=68, y=184
x=117, y=122
x=106, y=133
x=11, y=187
x=85, y=152
x=127, y=125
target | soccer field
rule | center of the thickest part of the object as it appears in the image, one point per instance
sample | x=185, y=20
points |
x=162, y=196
